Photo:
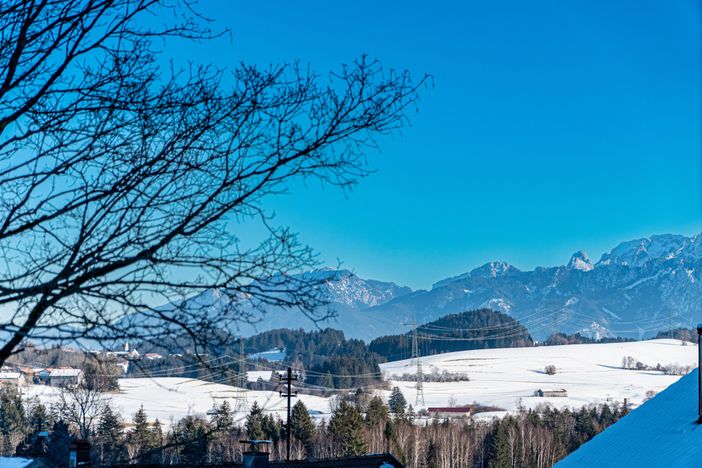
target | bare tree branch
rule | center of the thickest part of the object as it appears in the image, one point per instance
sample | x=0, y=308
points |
x=123, y=186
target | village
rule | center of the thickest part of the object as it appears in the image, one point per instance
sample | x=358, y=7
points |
x=24, y=375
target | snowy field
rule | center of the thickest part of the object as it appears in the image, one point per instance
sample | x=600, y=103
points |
x=502, y=377
x=172, y=398
x=506, y=377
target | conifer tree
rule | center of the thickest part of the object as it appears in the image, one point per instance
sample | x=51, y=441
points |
x=377, y=412
x=38, y=421
x=59, y=442
x=254, y=423
x=222, y=419
x=271, y=428
x=192, y=436
x=142, y=437
x=607, y=417
x=346, y=427
x=110, y=437
x=397, y=402
x=13, y=420
x=499, y=452
x=302, y=427
x=156, y=455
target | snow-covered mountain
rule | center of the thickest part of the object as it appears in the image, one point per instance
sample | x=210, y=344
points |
x=347, y=297
x=344, y=287
x=636, y=289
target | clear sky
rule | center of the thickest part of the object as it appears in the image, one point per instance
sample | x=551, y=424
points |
x=551, y=127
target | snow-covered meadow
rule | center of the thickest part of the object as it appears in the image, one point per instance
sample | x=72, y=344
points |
x=504, y=377
x=172, y=398
x=508, y=377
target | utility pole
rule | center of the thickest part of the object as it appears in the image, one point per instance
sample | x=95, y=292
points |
x=418, y=361
x=288, y=379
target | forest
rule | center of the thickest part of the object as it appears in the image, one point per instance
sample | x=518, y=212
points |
x=474, y=329
x=361, y=422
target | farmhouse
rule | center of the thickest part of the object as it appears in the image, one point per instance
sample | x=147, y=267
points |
x=558, y=392
x=65, y=377
x=14, y=379
x=450, y=411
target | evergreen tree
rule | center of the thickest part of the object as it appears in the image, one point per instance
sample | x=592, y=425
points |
x=13, y=420
x=302, y=427
x=222, y=419
x=59, y=443
x=254, y=423
x=431, y=455
x=499, y=453
x=157, y=435
x=271, y=428
x=38, y=421
x=607, y=417
x=142, y=438
x=110, y=437
x=389, y=431
x=397, y=402
x=346, y=427
x=377, y=412
x=192, y=436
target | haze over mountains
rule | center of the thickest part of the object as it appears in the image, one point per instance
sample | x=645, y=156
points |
x=636, y=289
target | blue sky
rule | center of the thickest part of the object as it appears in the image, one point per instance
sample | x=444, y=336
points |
x=551, y=127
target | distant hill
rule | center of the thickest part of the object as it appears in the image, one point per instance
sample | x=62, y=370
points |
x=325, y=357
x=475, y=329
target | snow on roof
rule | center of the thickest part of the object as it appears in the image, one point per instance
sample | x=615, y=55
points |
x=449, y=409
x=66, y=372
x=14, y=462
x=661, y=432
x=9, y=375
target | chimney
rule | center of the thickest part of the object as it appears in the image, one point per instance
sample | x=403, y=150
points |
x=699, y=373
x=254, y=457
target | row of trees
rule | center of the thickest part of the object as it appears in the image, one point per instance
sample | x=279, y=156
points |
x=360, y=423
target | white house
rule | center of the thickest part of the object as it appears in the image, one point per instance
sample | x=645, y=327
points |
x=65, y=377
x=16, y=379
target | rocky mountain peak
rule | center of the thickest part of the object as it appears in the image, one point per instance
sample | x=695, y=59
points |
x=494, y=270
x=580, y=261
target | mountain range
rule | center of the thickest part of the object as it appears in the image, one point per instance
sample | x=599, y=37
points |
x=636, y=289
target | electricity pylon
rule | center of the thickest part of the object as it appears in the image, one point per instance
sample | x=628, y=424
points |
x=417, y=359
x=242, y=403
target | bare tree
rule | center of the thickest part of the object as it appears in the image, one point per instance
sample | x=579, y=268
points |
x=80, y=406
x=123, y=184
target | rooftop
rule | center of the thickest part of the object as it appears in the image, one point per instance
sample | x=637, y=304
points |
x=375, y=460
x=449, y=409
x=66, y=372
x=9, y=375
x=661, y=432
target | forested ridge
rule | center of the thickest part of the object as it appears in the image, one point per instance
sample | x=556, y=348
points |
x=474, y=329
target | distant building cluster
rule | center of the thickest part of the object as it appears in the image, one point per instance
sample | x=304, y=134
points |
x=22, y=376
x=62, y=376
